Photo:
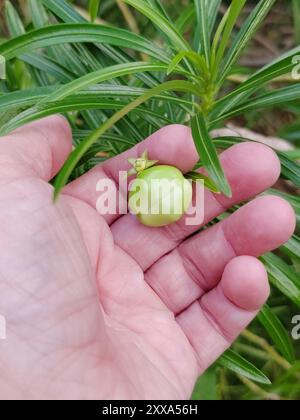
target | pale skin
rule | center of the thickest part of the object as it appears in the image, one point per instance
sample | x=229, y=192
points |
x=105, y=308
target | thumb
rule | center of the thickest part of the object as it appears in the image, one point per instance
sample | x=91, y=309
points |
x=38, y=149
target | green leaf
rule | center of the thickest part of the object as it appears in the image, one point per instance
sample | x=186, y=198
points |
x=234, y=12
x=38, y=13
x=82, y=102
x=76, y=155
x=13, y=20
x=22, y=99
x=270, y=99
x=197, y=59
x=29, y=97
x=293, y=154
x=213, y=9
x=76, y=33
x=159, y=7
x=64, y=11
x=162, y=23
x=186, y=18
x=206, y=386
x=102, y=75
x=282, y=65
x=208, y=183
x=208, y=154
x=245, y=34
x=296, y=14
x=217, y=37
x=292, y=248
x=277, y=332
x=79, y=84
x=237, y=364
x=48, y=66
x=283, y=277
x=94, y=6
x=289, y=169
x=202, y=28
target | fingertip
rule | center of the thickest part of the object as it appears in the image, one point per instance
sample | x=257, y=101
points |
x=261, y=226
x=251, y=168
x=245, y=283
x=173, y=145
x=264, y=158
x=278, y=214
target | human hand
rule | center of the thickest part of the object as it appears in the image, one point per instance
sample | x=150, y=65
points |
x=106, y=308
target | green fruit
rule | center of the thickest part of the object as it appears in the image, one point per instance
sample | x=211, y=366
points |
x=160, y=196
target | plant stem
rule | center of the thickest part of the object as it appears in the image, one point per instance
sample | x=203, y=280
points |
x=128, y=16
x=85, y=14
x=131, y=21
x=258, y=390
x=252, y=351
x=240, y=78
x=261, y=342
x=223, y=385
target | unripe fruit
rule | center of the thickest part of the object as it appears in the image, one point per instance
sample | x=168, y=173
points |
x=160, y=195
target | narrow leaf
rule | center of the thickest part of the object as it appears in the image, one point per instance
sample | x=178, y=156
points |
x=206, y=388
x=245, y=34
x=38, y=13
x=234, y=12
x=237, y=364
x=282, y=65
x=292, y=247
x=162, y=23
x=63, y=10
x=76, y=33
x=289, y=169
x=270, y=99
x=208, y=183
x=197, y=59
x=94, y=6
x=202, y=14
x=13, y=20
x=283, y=277
x=208, y=154
x=277, y=332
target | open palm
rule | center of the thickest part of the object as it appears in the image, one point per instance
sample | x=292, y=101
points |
x=104, y=307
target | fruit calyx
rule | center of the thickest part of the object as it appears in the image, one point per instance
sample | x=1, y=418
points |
x=140, y=164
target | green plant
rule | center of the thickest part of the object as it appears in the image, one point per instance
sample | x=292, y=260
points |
x=117, y=87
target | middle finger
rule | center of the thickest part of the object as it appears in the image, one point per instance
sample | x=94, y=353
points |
x=250, y=168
